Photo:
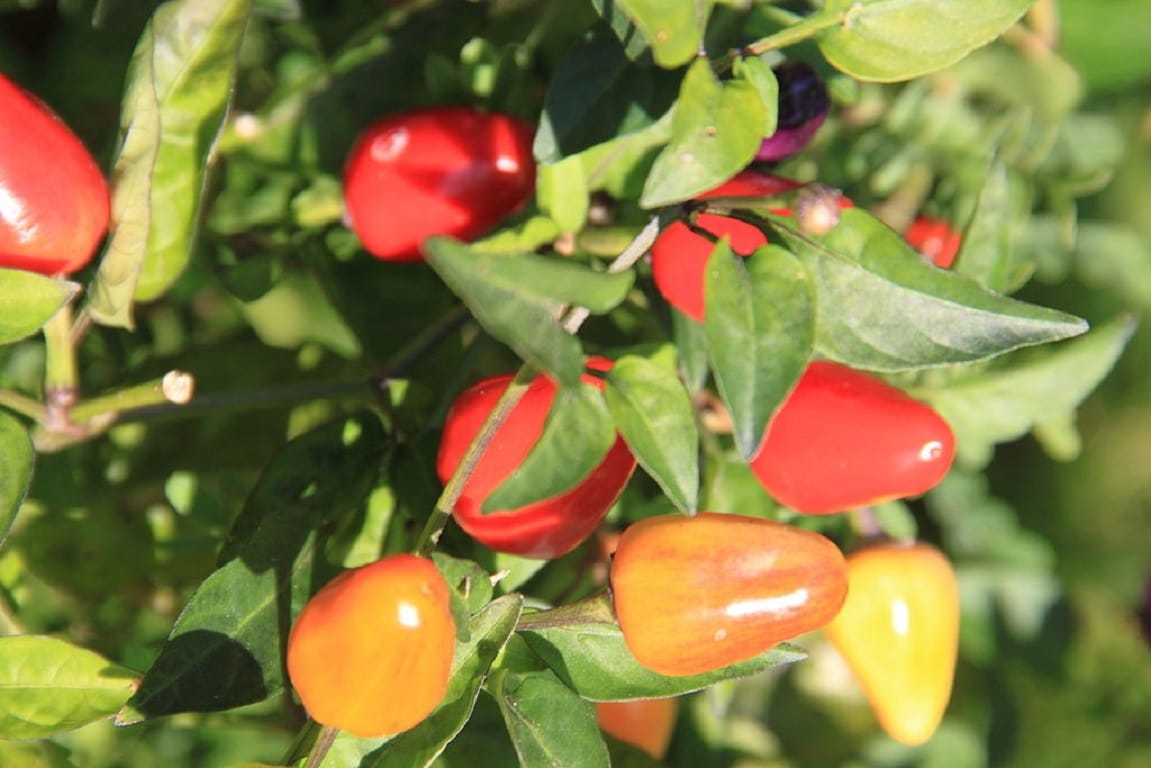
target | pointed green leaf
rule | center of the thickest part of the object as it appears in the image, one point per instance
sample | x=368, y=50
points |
x=671, y=28
x=226, y=648
x=760, y=324
x=598, y=95
x=654, y=414
x=548, y=722
x=179, y=89
x=489, y=631
x=525, y=320
x=756, y=72
x=577, y=435
x=880, y=307
x=985, y=252
x=715, y=131
x=48, y=686
x=1003, y=404
x=28, y=301
x=17, y=457
x=890, y=40
x=593, y=659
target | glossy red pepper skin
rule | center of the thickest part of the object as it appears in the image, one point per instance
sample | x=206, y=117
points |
x=439, y=171
x=844, y=439
x=371, y=653
x=899, y=632
x=54, y=205
x=695, y=594
x=935, y=239
x=545, y=529
x=679, y=256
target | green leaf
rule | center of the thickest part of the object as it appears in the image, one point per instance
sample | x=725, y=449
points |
x=598, y=95
x=730, y=486
x=671, y=28
x=548, y=723
x=880, y=307
x=890, y=40
x=523, y=319
x=17, y=457
x=178, y=93
x=654, y=414
x=577, y=435
x=760, y=326
x=29, y=300
x=1003, y=404
x=562, y=193
x=985, y=252
x=756, y=72
x=691, y=346
x=715, y=132
x=489, y=631
x=226, y=647
x=48, y=686
x=594, y=660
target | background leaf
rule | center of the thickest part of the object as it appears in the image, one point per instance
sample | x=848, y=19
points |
x=179, y=90
x=1046, y=386
x=48, y=686
x=888, y=40
x=17, y=457
x=654, y=414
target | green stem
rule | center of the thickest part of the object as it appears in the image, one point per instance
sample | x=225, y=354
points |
x=23, y=405
x=596, y=609
x=320, y=748
x=797, y=33
x=174, y=388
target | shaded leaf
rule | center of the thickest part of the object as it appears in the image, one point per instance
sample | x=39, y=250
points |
x=598, y=95
x=760, y=326
x=577, y=435
x=178, y=92
x=881, y=308
x=985, y=252
x=489, y=631
x=1003, y=404
x=653, y=412
x=226, y=648
x=548, y=722
x=890, y=40
x=48, y=686
x=29, y=300
x=524, y=320
x=17, y=458
x=715, y=131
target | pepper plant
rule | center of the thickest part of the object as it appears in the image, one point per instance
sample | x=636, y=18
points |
x=235, y=415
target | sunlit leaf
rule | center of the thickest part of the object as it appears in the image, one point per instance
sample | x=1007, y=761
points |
x=882, y=308
x=889, y=40
x=28, y=301
x=48, y=686
x=653, y=412
x=548, y=722
x=178, y=92
x=671, y=28
x=17, y=457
